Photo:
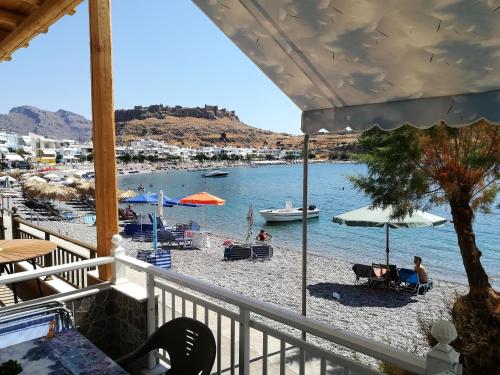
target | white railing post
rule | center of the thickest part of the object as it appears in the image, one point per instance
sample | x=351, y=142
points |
x=244, y=347
x=442, y=357
x=150, y=286
x=118, y=268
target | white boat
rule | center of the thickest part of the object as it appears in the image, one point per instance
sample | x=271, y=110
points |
x=217, y=173
x=289, y=213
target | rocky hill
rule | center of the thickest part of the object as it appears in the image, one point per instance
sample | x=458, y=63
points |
x=183, y=126
x=211, y=126
x=61, y=124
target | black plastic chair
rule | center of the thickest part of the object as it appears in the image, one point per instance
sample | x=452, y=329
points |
x=189, y=343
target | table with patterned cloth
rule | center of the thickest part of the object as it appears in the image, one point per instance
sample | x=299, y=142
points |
x=69, y=352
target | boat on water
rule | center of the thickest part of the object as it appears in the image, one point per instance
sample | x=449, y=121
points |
x=216, y=173
x=288, y=213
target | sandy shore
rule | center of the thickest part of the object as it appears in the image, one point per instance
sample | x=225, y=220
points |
x=382, y=315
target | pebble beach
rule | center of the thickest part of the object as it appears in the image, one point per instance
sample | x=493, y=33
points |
x=333, y=295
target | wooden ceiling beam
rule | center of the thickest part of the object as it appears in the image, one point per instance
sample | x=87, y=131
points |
x=38, y=21
x=10, y=20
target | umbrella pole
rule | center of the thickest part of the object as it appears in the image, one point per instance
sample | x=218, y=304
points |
x=305, y=155
x=387, y=245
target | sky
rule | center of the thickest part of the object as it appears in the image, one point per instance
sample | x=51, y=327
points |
x=167, y=53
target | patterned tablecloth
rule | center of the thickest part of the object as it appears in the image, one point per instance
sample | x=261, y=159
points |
x=69, y=352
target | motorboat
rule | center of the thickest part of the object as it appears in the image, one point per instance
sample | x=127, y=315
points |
x=288, y=213
x=216, y=173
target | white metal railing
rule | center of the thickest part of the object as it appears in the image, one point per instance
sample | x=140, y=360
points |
x=244, y=318
x=252, y=314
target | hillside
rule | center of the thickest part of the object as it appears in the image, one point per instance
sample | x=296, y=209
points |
x=211, y=126
x=61, y=124
x=183, y=126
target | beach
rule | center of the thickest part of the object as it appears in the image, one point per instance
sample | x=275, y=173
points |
x=382, y=315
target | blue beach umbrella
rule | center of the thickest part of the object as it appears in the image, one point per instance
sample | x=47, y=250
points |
x=152, y=198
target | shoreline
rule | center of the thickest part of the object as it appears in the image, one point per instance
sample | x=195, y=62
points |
x=138, y=168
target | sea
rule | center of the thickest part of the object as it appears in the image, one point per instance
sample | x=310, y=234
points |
x=330, y=190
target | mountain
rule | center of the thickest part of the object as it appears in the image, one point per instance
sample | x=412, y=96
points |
x=182, y=126
x=211, y=126
x=59, y=125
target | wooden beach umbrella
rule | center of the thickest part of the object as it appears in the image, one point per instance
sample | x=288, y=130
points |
x=57, y=192
x=85, y=189
x=32, y=187
x=122, y=195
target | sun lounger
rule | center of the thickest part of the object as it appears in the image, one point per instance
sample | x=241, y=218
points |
x=408, y=281
x=262, y=252
x=162, y=258
x=379, y=275
x=143, y=236
x=237, y=252
x=362, y=271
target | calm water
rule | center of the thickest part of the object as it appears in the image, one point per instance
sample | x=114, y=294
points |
x=270, y=186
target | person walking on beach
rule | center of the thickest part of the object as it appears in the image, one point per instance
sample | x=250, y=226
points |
x=263, y=236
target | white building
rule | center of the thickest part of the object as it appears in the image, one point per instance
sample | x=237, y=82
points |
x=67, y=151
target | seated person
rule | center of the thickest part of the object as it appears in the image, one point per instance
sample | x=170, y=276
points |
x=426, y=284
x=263, y=236
x=129, y=213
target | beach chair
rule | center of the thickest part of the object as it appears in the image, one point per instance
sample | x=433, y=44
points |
x=237, y=252
x=408, y=282
x=165, y=237
x=393, y=276
x=262, y=252
x=178, y=231
x=195, y=226
x=361, y=271
x=378, y=275
x=162, y=258
x=89, y=219
x=143, y=236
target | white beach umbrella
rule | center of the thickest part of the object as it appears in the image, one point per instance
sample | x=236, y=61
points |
x=159, y=205
x=379, y=217
x=249, y=222
x=35, y=179
x=52, y=177
x=7, y=178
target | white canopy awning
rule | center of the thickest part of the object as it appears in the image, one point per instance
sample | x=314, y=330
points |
x=364, y=63
x=13, y=157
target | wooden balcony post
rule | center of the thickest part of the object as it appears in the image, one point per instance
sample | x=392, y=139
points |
x=15, y=224
x=103, y=129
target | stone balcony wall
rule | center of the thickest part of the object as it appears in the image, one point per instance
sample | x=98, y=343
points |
x=115, y=322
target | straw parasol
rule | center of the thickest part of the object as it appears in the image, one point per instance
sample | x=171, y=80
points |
x=35, y=179
x=122, y=195
x=57, y=192
x=32, y=188
x=85, y=189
